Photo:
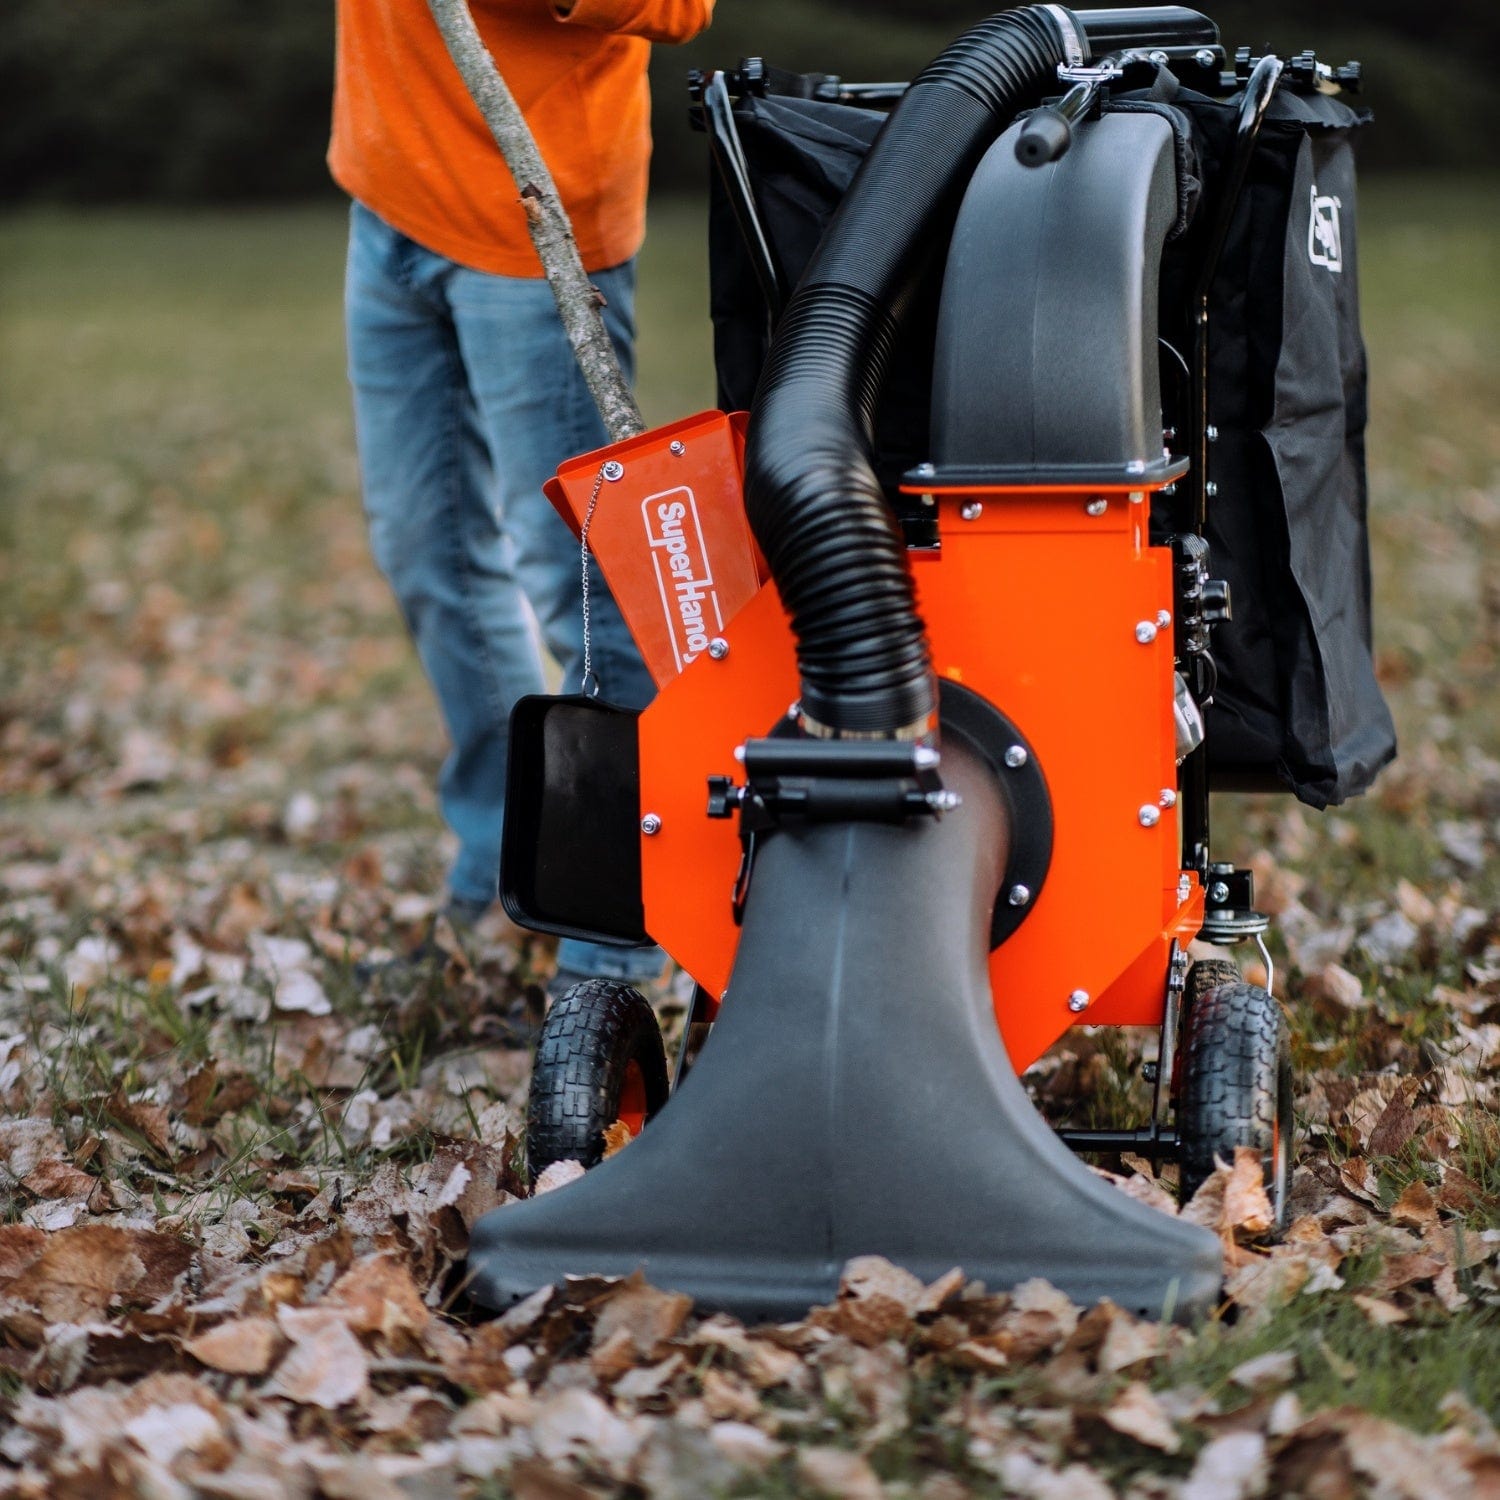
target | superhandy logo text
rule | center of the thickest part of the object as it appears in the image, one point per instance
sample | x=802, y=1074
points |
x=684, y=576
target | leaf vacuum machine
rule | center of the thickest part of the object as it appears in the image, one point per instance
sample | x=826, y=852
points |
x=1034, y=512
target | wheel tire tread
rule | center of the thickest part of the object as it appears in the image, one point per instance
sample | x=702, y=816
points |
x=1236, y=1039
x=589, y=1036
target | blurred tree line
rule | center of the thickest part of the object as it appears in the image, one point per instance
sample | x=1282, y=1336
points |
x=220, y=100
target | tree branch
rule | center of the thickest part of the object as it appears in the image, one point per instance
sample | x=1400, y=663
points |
x=578, y=301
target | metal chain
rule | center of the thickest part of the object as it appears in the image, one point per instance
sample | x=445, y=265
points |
x=589, y=683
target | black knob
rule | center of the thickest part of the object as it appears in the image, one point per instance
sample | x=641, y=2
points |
x=1043, y=138
x=1215, y=602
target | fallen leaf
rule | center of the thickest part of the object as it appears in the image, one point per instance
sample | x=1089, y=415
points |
x=837, y=1473
x=1266, y=1371
x=325, y=1367
x=241, y=1346
x=557, y=1174
x=1231, y=1467
x=876, y=1300
x=1137, y=1414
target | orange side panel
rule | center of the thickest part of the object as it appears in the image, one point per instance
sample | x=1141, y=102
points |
x=1035, y=604
x=669, y=532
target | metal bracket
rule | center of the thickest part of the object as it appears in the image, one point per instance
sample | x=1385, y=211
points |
x=804, y=781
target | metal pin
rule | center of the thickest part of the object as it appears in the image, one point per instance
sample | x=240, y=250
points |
x=718, y=648
x=614, y=470
x=650, y=824
x=1145, y=632
x=1016, y=757
x=1149, y=814
x=1078, y=1002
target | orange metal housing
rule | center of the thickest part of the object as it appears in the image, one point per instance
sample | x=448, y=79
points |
x=1057, y=610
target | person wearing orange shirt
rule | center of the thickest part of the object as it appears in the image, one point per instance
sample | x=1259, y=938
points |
x=466, y=393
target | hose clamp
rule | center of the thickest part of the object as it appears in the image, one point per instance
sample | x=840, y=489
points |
x=1074, y=43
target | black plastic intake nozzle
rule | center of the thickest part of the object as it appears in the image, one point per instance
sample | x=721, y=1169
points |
x=813, y=499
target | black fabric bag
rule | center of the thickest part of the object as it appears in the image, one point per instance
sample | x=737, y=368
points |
x=802, y=154
x=1297, y=704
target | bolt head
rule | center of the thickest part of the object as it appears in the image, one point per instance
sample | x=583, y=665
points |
x=1149, y=814
x=1168, y=797
x=1145, y=632
x=1097, y=506
x=926, y=471
x=1213, y=434
x=718, y=648
x=1163, y=618
x=1204, y=57
x=650, y=824
x=1218, y=893
x=614, y=470
x=1212, y=488
x=1016, y=757
x=1019, y=895
x=971, y=510
x=1078, y=1002
x=676, y=448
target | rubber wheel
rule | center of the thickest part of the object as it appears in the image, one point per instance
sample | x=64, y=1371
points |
x=599, y=1059
x=1236, y=1087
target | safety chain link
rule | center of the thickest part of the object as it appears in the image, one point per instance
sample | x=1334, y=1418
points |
x=589, y=683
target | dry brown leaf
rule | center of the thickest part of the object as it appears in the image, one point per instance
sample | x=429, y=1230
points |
x=1247, y=1209
x=649, y=1317
x=1382, y=1314
x=1128, y=1341
x=616, y=1138
x=558, y=1174
x=1415, y=1208
x=1266, y=1371
x=325, y=1367
x=242, y=1346
x=81, y=1270
x=1137, y=1414
x=1038, y=1320
x=876, y=1301
x=377, y=1295
x=146, y=1120
x=836, y=1473
x=56, y=1179
x=1398, y=1122
x=1231, y=1467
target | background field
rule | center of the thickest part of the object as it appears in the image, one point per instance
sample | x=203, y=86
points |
x=213, y=739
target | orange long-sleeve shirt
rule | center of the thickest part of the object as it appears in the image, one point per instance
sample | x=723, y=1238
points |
x=409, y=143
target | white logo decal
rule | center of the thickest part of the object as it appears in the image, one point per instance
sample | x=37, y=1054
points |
x=1325, y=237
x=684, y=578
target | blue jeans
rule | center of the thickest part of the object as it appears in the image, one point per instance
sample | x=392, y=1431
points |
x=466, y=398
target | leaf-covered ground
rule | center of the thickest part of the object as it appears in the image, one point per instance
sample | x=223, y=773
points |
x=236, y=1182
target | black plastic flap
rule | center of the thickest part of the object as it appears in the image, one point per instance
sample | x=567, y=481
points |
x=570, y=859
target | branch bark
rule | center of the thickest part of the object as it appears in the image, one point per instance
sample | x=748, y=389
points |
x=578, y=301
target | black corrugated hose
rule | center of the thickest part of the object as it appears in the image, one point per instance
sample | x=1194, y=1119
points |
x=814, y=502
